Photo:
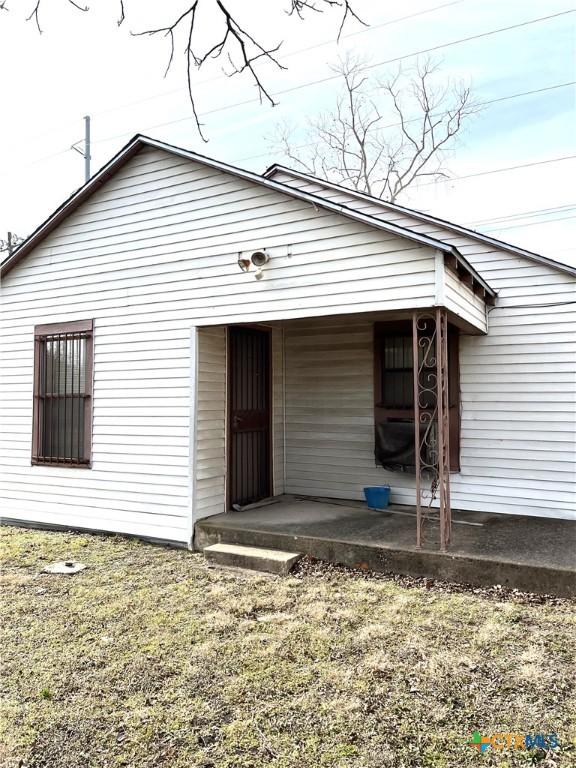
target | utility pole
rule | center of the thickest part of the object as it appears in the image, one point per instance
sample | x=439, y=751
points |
x=87, y=155
x=86, y=151
x=11, y=243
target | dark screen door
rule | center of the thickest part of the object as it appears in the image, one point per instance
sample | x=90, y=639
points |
x=249, y=415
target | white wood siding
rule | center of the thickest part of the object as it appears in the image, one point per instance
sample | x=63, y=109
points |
x=278, y=411
x=139, y=480
x=210, y=489
x=527, y=469
x=330, y=411
x=518, y=383
x=461, y=299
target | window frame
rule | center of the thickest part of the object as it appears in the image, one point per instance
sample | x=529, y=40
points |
x=386, y=329
x=41, y=332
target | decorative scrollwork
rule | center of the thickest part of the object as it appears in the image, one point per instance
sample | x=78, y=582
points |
x=430, y=351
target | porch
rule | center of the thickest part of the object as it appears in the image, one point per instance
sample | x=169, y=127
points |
x=324, y=406
x=521, y=552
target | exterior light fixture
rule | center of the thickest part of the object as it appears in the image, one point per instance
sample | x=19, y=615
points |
x=244, y=264
x=259, y=258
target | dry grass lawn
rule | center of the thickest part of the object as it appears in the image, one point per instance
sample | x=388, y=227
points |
x=149, y=659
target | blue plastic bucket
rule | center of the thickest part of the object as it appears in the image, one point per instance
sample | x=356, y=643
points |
x=377, y=496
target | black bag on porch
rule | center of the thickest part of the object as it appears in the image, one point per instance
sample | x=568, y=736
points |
x=394, y=448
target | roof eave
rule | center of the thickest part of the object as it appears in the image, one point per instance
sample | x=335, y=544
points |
x=307, y=196
x=500, y=244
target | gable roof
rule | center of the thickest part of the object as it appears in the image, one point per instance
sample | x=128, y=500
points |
x=472, y=233
x=139, y=142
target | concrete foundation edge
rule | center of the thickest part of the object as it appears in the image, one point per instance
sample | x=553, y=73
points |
x=445, y=566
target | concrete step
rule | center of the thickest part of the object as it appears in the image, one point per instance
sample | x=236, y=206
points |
x=251, y=558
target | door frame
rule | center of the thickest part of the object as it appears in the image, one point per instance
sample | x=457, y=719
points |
x=270, y=442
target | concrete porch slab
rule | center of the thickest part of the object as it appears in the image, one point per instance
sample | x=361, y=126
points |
x=527, y=553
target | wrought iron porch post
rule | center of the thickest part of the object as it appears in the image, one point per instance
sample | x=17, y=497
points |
x=431, y=420
x=417, y=446
x=443, y=415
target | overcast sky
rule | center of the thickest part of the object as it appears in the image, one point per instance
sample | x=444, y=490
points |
x=83, y=63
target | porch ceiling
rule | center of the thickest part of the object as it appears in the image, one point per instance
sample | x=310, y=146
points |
x=356, y=317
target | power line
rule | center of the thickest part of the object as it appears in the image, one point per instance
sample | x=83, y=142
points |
x=438, y=181
x=387, y=23
x=475, y=37
x=391, y=61
x=302, y=146
x=527, y=93
x=529, y=224
x=452, y=178
x=371, y=66
x=394, y=60
x=412, y=120
x=528, y=214
x=336, y=76
x=499, y=170
x=288, y=55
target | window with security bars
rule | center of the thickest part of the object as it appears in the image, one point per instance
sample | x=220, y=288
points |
x=394, y=393
x=62, y=424
x=396, y=372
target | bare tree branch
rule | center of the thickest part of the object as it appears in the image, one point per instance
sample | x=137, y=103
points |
x=348, y=11
x=353, y=146
x=35, y=13
x=236, y=44
x=299, y=6
x=243, y=38
x=80, y=8
x=234, y=38
x=283, y=139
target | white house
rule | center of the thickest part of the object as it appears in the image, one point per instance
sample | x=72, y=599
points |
x=153, y=375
